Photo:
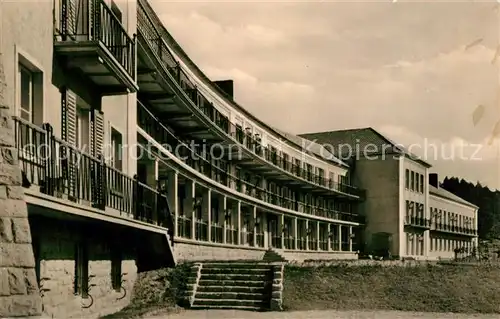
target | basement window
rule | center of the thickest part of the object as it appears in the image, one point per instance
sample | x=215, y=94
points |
x=81, y=284
x=116, y=269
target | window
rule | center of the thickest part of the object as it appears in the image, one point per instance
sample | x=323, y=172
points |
x=29, y=93
x=116, y=269
x=26, y=94
x=407, y=179
x=412, y=181
x=83, y=129
x=116, y=147
x=81, y=285
x=421, y=183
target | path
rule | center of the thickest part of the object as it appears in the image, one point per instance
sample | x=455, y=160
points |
x=331, y=314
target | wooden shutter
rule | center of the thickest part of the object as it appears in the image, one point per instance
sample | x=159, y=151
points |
x=68, y=125
x=68, y=134
x=96, y=133
x=69, y=16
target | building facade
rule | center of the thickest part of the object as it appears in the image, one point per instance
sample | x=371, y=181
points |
x=132, y=159
x=407, y=214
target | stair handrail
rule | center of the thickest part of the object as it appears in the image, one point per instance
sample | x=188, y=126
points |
x=196, y=284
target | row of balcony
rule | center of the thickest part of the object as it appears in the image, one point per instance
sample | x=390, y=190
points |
x=247, y=238
x=220, y=173
x=455, y=229
x=58, y=169
x=428, y=224
x=94, y=41
x=234, y=133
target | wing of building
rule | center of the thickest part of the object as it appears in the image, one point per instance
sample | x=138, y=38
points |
x=133, y=159
x=407, y=213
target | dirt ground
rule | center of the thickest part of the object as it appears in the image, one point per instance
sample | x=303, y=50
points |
x=330, y=314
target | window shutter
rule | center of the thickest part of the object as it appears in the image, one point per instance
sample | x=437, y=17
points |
x=97, y=133
x=70, y=10
x=68, y=134
x=68, y=125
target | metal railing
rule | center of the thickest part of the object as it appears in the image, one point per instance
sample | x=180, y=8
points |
x=94, y=21
x=61, y=170
x=201, y=162
x=253, y=143
x=418, y=221
x=455, y=229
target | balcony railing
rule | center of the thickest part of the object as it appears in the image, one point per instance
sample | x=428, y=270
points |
x=61, y=170
x=94, y=21
x=444, y=227
x=252, y=143
x=184, y=226
x=417, y=222
x=196, y=160
x=217, y=233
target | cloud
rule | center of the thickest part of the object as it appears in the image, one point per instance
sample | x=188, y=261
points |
x=406, y=67
x=273, y=102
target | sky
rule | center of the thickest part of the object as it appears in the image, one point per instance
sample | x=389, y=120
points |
x=425, y=74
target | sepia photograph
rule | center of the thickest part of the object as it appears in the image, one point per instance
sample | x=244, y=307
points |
x=280, y=159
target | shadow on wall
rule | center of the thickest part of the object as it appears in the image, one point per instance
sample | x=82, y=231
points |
x=87, y=268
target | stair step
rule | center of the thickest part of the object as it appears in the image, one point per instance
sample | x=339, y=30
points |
x=231, y=270
x=235, y=265
x=249, y=308
x=242, y=288
x=228, y=302
x=230, y=296
x=230, y=282
x=226, y=276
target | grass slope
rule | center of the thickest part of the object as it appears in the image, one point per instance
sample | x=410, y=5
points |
x=155, y=293
x=427, y=288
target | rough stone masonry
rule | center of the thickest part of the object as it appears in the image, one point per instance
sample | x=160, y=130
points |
x=19, y=295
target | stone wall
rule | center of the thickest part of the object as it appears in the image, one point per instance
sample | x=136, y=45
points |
x=277, y=287
x=19, y=295
x=199, y=251
x=55, y=257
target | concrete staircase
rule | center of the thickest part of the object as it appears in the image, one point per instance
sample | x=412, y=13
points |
x=245, y=285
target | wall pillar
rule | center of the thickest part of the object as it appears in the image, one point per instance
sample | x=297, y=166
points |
x=295, y=232
x=189, y=205
x=223, y=211
x=329, y=230
x=317, y=235
x=265, y=230
x=19, y=294
x=254, y=214
x=173, y=198
x=350, y=238
x=238, y=219
x=340, y=237
x=307, y=234
x=206, y=207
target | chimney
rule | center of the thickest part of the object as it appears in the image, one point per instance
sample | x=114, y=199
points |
x=227, y=86
x=434, y=179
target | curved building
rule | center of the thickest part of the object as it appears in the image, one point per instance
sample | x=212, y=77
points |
x=236, y=186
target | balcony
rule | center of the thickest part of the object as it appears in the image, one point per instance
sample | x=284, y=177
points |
x=93, y=43
x=54, y=168
x=163, y=84
x=418, y=222
x=453, y=229
x=198, y=161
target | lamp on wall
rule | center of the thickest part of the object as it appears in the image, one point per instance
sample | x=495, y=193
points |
x=257, y=221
